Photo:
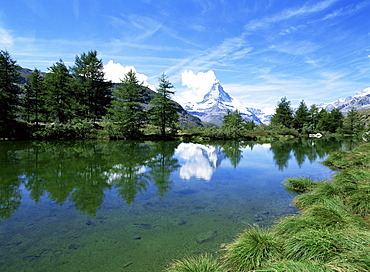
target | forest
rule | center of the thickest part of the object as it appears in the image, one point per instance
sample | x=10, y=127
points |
x=79, y=103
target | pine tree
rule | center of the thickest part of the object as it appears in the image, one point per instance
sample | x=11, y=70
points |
x=233, y=119
x=351, y=124
x=283, y=114
x=9, y=92
x=323, y=120
x=312, y=116
x=94, y=90
x=336, y=117
x=33, y=97
x=127, y=109
x=163, y=113
x=60, y=98
x=301, y=117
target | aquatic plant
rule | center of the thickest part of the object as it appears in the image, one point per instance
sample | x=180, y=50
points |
x=299, y=185
x=253, y=248
x=202, y=263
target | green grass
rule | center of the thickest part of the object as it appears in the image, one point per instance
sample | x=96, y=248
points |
x=304, y=201
x=299, y=185
x=324, y=245
x=294, y=266
x=202, y=263
x=330, y=233
x=253, y=249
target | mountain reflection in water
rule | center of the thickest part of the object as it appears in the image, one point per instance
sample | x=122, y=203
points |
x=80, y=171
x=135, y=206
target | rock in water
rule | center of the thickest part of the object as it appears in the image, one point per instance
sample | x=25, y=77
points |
x=205, y=236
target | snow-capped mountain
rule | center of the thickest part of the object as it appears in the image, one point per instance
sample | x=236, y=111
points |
x=360, y=101
x=216, y=103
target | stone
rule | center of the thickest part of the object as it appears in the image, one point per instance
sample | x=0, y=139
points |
x=204, y=237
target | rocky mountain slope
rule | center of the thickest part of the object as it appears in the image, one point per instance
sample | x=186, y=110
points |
x=216, y=103
x=360, y=101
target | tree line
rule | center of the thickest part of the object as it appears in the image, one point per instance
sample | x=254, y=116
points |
x=78, y=102
x=287, y=123
x=75, y=98
x=314, y=120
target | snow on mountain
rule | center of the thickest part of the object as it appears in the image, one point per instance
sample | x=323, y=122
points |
x=360, y=101
x=216, y=103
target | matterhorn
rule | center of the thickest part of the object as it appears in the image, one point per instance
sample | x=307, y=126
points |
x=216, y=103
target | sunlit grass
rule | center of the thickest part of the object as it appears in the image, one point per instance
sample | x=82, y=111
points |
x=304, y=201
x=202, y=263
x=323, y=245
x=253, y=249
x=299, y=185
x=293, y=266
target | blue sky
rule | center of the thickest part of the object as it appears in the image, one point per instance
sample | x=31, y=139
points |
x=259, y=50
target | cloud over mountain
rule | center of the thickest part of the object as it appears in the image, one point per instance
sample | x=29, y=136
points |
x=116, y=72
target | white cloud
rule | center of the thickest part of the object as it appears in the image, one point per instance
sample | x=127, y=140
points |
x=116, y=72
x=199, y=84
x=6, y=40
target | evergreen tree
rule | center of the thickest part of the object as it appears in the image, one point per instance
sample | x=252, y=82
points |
x=283, y=114
x=301, y=117
x=127, y=108
x=9, y=92
x=336, y=117
x=323, y=120
x=233, y=119
x=163, y=113
x=351, y=124
x=94, y=91
x=312, y=116
x=60, y=98
x=33, y=97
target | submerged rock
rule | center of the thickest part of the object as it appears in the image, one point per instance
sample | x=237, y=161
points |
x=205, y=236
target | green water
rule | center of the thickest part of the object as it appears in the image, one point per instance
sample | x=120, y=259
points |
x=135, y=206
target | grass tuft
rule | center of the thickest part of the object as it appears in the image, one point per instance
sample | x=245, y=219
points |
x=307, y=200
x=203, y=263
x=299, y=185
x=253, y=249
x=290, y=265
x=359, y=201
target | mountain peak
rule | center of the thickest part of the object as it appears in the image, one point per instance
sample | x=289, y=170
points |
x=216, y=103
x=360, y=101
x=217, y=94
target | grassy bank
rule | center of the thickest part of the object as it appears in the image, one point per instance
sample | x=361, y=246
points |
x=330, y=233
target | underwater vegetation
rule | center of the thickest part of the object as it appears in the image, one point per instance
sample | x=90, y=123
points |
x=331, y=232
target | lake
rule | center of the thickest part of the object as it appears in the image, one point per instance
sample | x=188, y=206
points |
x=135, y=206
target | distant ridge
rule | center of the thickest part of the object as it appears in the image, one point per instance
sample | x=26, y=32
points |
x=360, y=101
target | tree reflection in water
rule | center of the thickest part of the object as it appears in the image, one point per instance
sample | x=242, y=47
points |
x=82, y=171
